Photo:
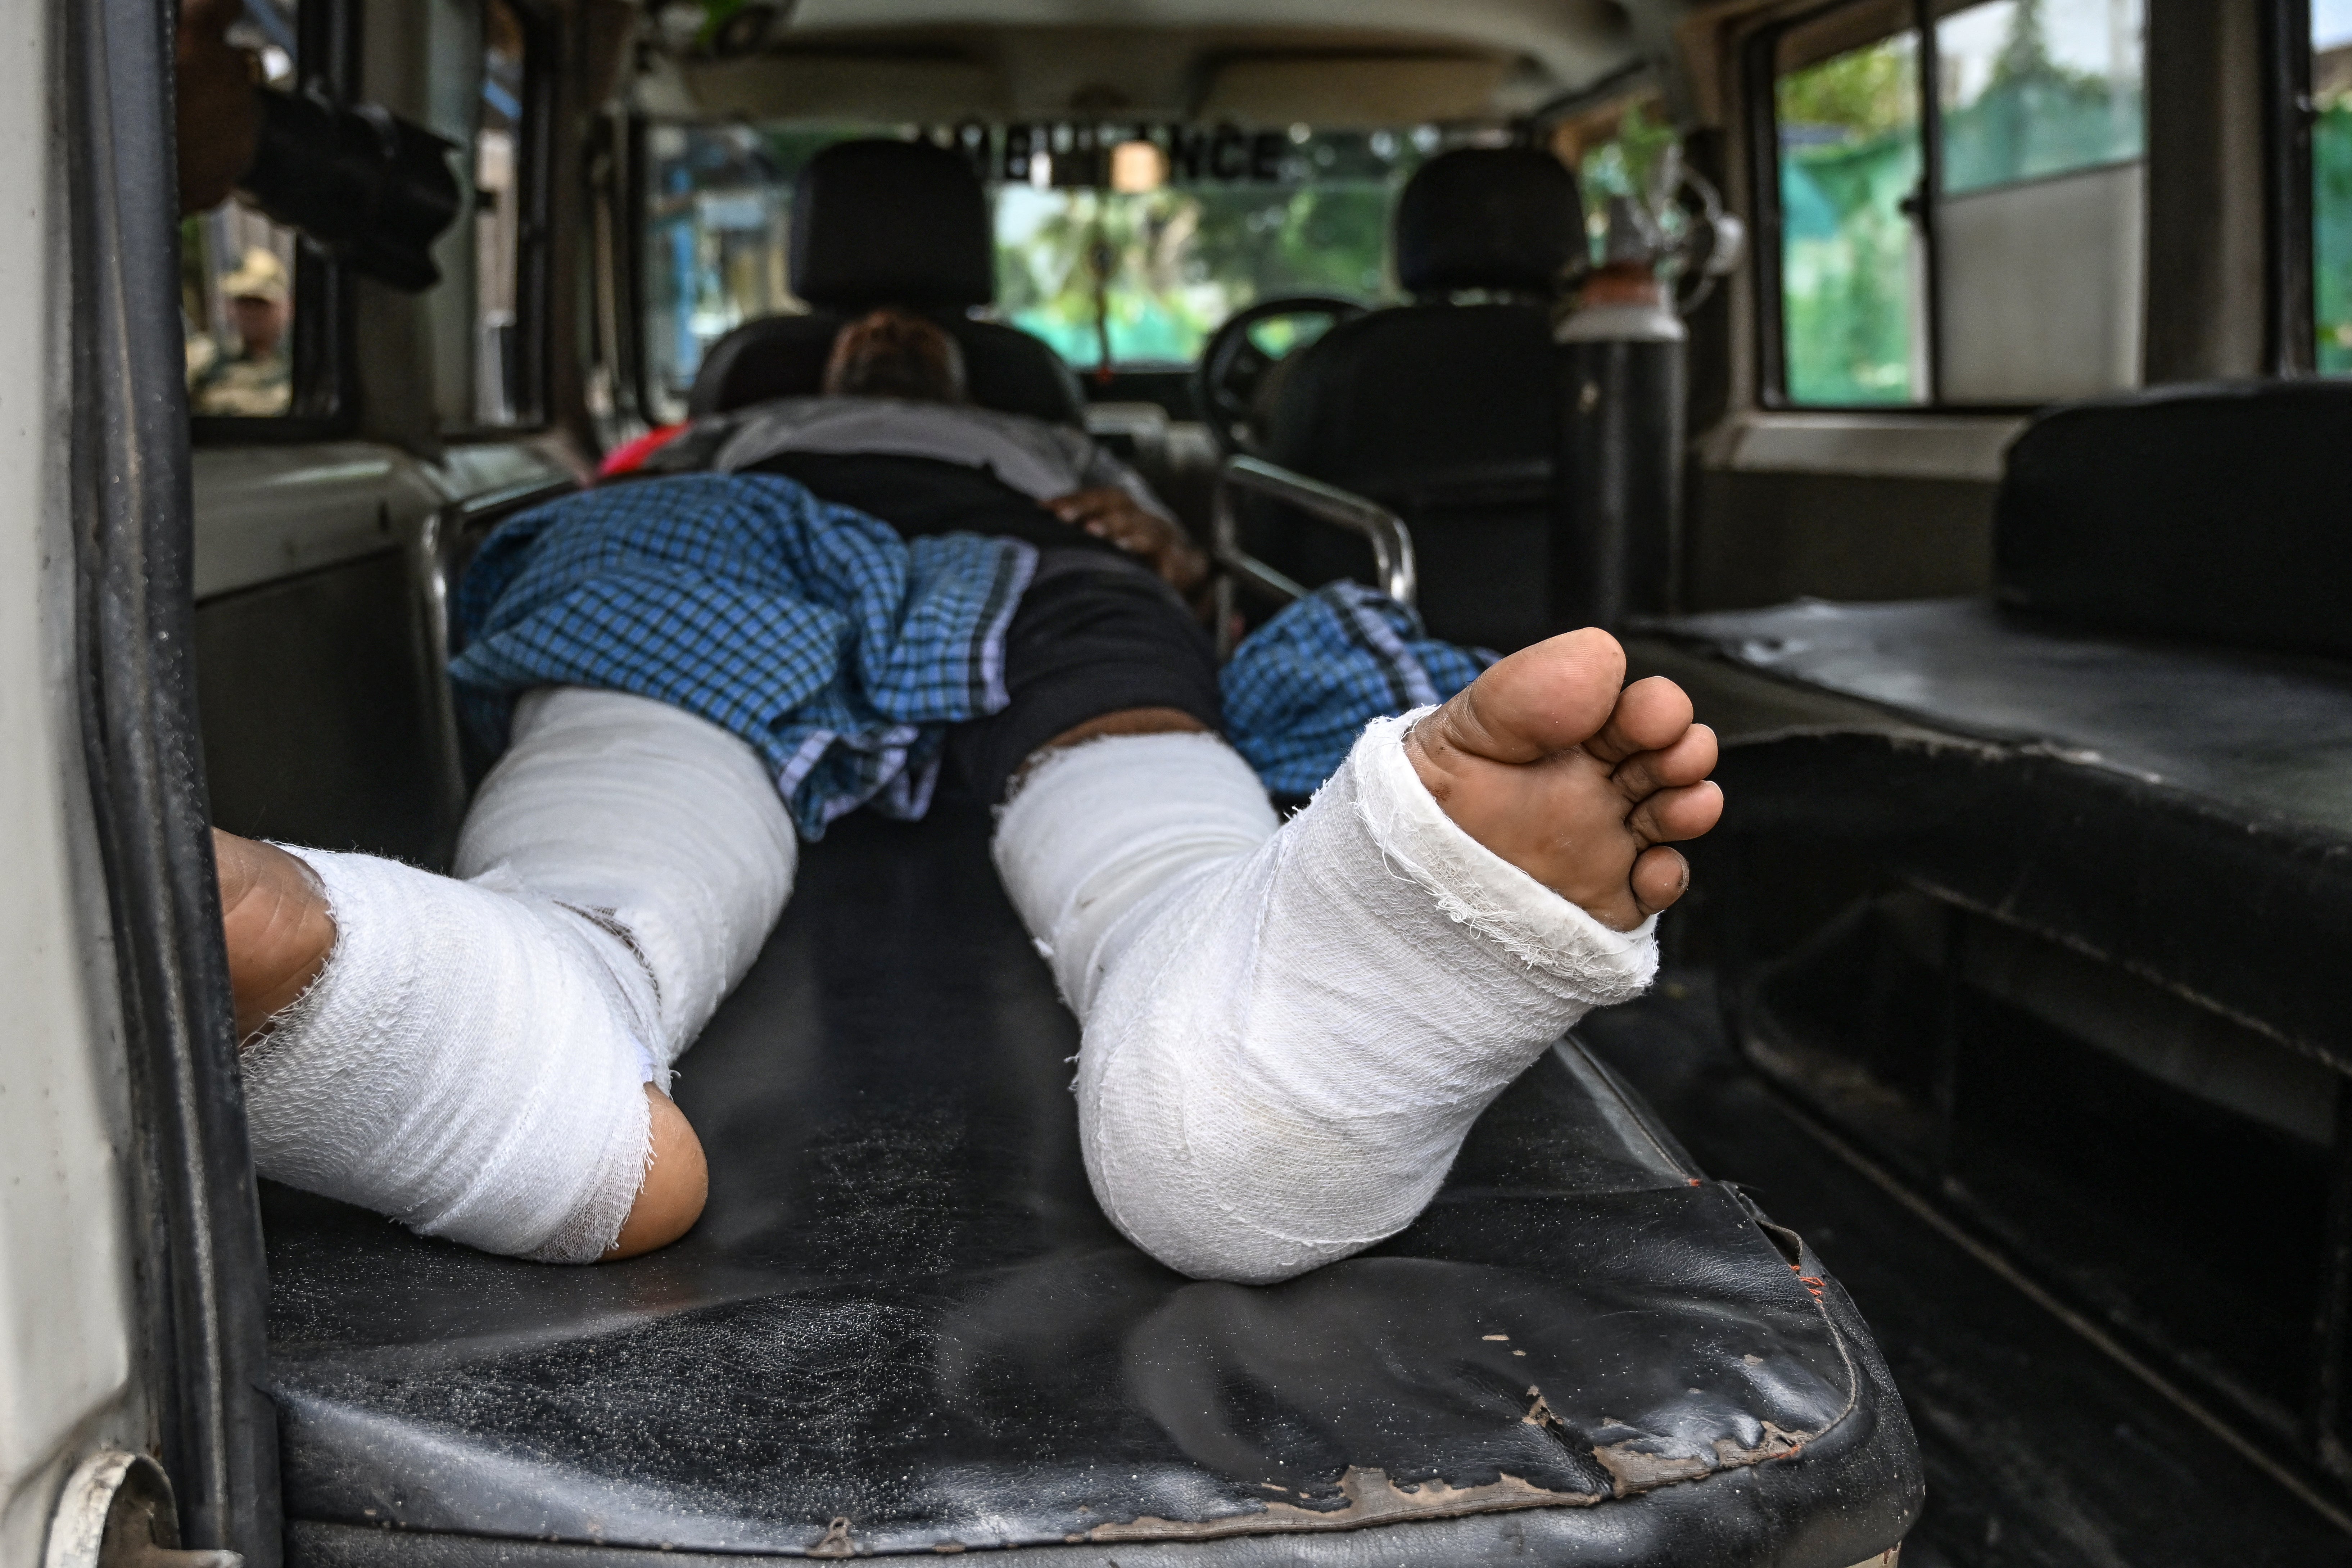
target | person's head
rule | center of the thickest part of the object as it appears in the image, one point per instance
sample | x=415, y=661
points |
x=257, y=302
x=891, y=352
x=260, y=321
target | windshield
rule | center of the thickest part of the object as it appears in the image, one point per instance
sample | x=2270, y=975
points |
x=1128, y=246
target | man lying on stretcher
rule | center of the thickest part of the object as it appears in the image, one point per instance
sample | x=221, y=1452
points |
x=1288, y=1026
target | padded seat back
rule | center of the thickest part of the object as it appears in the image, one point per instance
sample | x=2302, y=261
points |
x=888, y=223
x=1447, y=413
x=2220, y=513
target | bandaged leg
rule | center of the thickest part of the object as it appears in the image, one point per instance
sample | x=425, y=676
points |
x=472, y=1057
x=1288, y=1035
x=660, y=821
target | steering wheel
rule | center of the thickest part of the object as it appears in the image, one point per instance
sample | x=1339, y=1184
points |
x=1230, y=383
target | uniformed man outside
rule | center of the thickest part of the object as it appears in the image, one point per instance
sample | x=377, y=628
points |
x=252, y=378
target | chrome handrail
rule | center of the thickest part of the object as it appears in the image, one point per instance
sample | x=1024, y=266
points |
x=1391, y=540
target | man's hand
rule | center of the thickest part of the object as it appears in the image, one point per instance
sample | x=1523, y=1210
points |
x=1110, y=513
x=219, y=120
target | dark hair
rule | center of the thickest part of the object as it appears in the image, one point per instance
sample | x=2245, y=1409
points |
x=891, y=352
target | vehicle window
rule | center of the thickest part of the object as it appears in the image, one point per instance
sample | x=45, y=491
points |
x=1132, y=243
x=237, y=271
x=503, y=393
x=2331, y=195
x=2010, y=276
x=1616, y=150
x=718, y=219
x=1139, y=263
x=1851, y=306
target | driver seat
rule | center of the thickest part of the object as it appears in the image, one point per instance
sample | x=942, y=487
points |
x=888, y=223
x=1444, y=412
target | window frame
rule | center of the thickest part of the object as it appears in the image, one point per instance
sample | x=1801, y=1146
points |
x=1758, y=80
x=325, y=316
x=2291, y=324
x=534, y=155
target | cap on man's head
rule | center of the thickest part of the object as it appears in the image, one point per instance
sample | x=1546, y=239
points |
x=259, y=276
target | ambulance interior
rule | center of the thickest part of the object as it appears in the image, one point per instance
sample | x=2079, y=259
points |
x=1976, y=1183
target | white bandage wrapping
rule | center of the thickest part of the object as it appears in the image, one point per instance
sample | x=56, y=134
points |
x=660, y=820
x=471, y=1060
x=1284, y=1051
x=1101, y=832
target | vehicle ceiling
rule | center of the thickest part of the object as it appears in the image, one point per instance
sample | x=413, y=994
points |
x=1333, y=63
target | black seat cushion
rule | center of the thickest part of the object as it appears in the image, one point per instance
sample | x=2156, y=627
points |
x=2218, y=512
x=904, y=1326
x=783, y=356
x=2111, y=793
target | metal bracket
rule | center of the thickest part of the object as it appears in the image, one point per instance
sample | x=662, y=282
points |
x=116, y=1512
x=1391, y=541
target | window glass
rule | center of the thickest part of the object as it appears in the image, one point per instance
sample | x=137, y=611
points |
x=1620, y=150
x=2031, y=87
x=237, y=271
x=2017, y=280
x=718, y=222
x=1139, y=239
x=1150, y=274
x=1849, y=255
x=502, y=395
x=2331, y=158
x=2039, y=237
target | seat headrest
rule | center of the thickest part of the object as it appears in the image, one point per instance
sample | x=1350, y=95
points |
x=891, y=223
x=1505, y=219
x=2213, y=512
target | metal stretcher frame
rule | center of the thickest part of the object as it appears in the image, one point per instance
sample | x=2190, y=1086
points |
x=1391, y=541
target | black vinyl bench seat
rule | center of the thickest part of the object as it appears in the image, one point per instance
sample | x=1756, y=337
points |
x=2141, y=744
x=2182, y=811
x=2042, y=900
x=902, y=1325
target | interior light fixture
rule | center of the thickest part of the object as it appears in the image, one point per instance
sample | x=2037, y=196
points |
x=1138, y=166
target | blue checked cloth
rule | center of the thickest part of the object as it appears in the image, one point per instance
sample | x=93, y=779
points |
x=839, y=651
x=1300, y=688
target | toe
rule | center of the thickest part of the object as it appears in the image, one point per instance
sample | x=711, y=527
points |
x=1686, y=762
x=1672, y=815
x=1650, y=716
x=1539, y=700
x=1660, y=877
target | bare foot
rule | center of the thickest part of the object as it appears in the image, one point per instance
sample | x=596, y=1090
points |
x=1550, y=760
x=280, y=933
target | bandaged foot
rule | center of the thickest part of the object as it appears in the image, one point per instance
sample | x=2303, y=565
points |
x=483, y=1059
x=1288, y=1034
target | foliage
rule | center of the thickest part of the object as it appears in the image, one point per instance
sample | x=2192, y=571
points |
x=1849, y=156
x=1629, y=164
x=2331, y=157
x=1182, y=258
x=1864, y=93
